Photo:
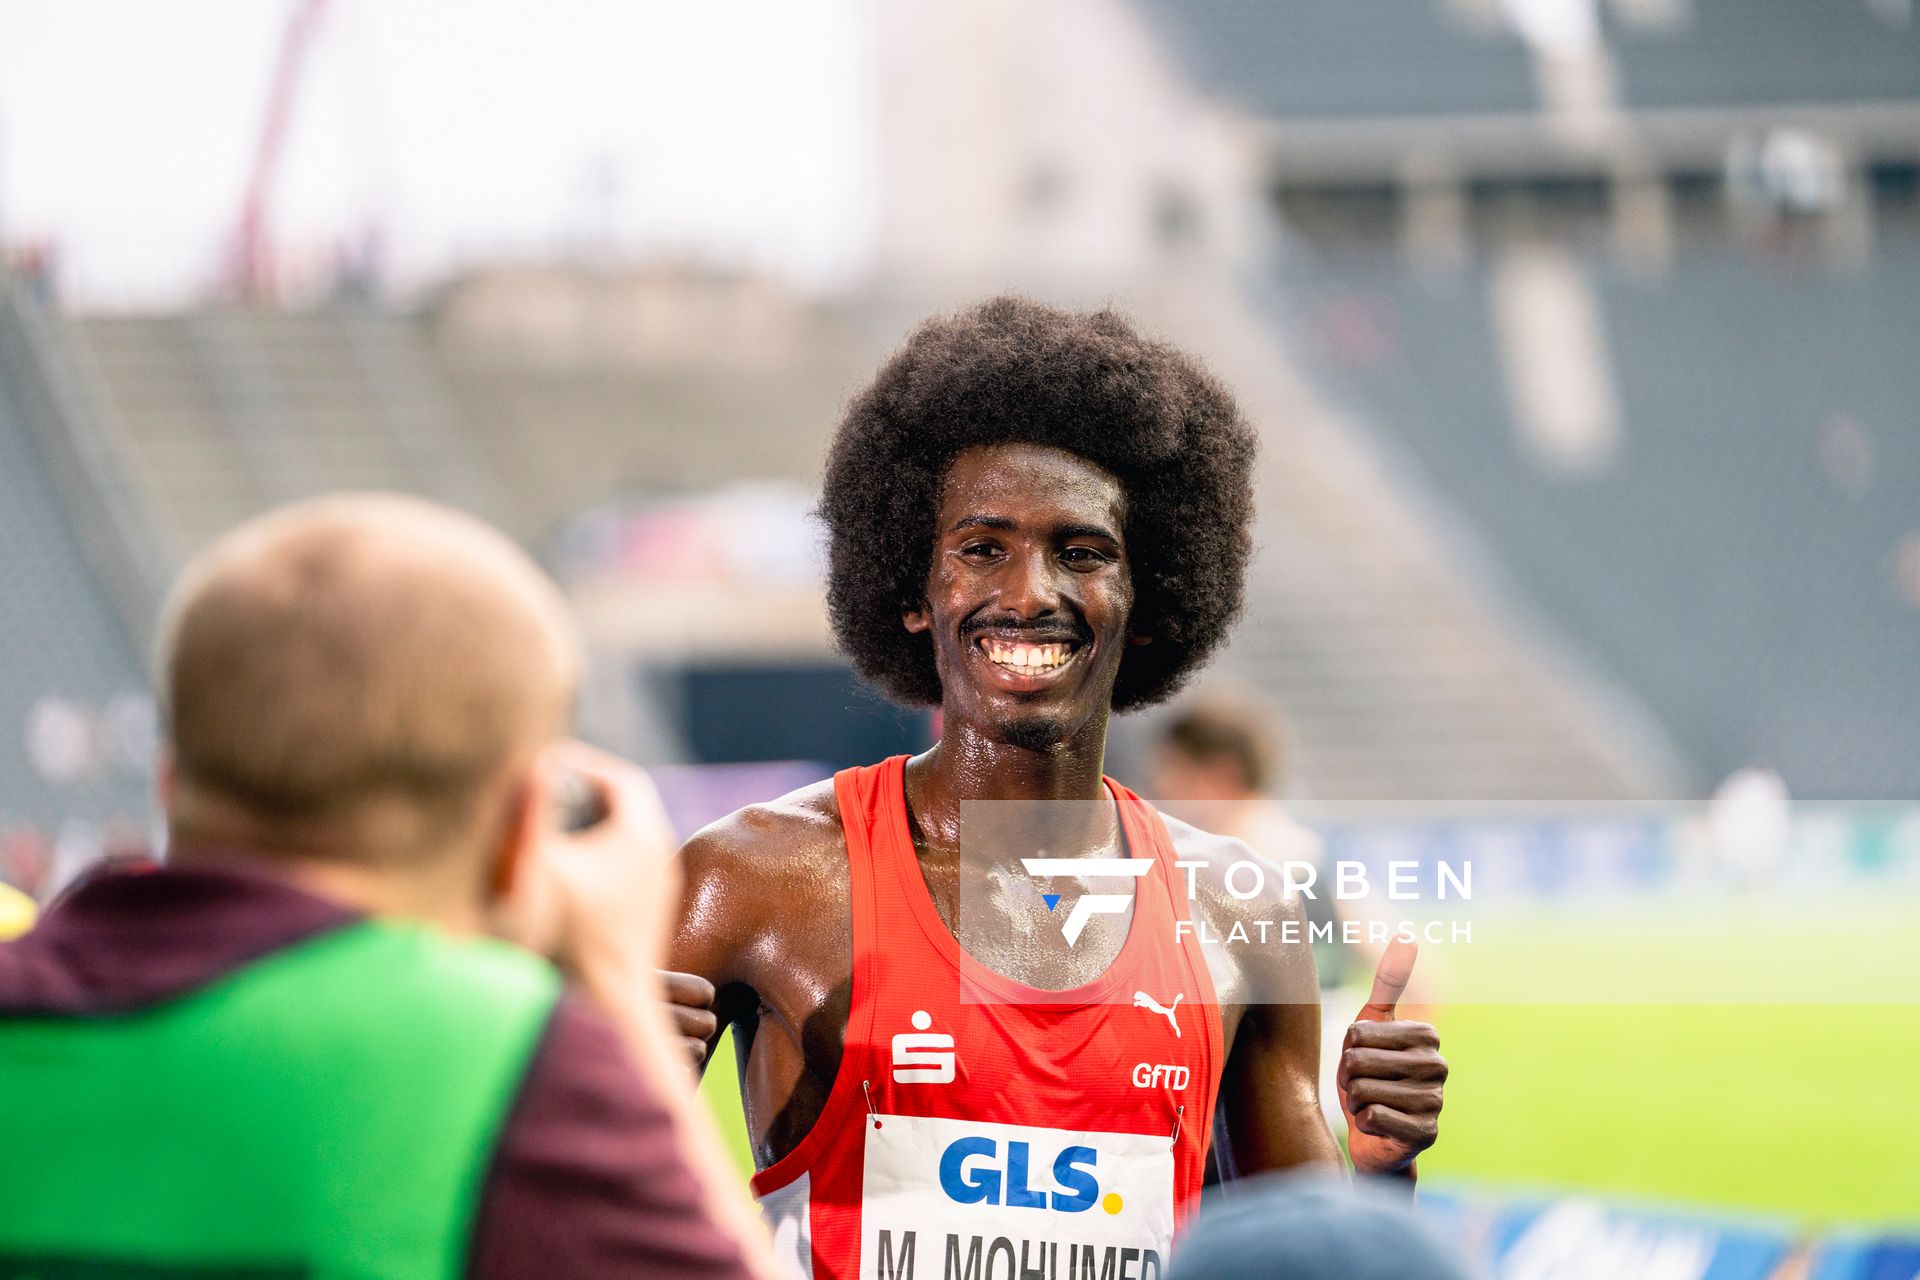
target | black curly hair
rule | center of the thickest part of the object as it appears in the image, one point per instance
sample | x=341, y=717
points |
x=1010, y=370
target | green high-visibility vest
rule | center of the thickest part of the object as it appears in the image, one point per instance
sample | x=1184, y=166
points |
x=329, y=1111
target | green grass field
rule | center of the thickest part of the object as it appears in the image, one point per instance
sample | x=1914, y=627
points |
x=1642, y=1088
x=721, y=1091
x=1703, y=1057
x=1807, y=1112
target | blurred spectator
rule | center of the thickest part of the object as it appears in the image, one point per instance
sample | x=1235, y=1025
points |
x=1221, y=766
x=1750, y=822
x=332, y=1073
x=1312, y=1227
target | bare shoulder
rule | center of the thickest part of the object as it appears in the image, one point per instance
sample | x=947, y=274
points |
x=755, y=875
x=1223, y=885
x=1253, y=925
x=801, y=823
x=766, y=848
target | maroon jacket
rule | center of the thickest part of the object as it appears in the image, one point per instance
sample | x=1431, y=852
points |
x=586, y=1182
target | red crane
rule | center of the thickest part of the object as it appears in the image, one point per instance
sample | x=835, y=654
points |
x=252, y=267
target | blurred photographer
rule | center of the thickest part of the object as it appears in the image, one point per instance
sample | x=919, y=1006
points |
x=294, y=1050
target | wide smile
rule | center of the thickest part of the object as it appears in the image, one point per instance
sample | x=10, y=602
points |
x=1025, y=666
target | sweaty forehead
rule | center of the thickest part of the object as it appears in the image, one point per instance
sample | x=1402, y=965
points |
x=1031, y=484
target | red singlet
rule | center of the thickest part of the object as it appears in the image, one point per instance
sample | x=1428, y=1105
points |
x=982, y=1130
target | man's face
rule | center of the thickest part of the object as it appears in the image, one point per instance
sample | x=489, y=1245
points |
x=1029, y=592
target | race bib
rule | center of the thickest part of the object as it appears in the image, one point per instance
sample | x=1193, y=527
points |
x=960, y=1200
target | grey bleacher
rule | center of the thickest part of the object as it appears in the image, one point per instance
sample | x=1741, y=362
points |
x=59, y=637
x=1745, y=595
x=572, y=439
x=1730, y=53
x=225, y=412
x=1403, y=675
x=1312, y=60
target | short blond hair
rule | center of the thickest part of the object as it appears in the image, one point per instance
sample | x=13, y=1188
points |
x=361, y=652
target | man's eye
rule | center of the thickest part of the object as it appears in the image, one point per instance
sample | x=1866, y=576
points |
x=979, y=550
x=1083, y=557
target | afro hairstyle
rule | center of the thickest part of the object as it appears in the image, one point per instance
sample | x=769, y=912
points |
x=1008, y=371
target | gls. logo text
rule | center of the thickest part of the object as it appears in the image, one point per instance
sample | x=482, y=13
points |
x=988, y=1180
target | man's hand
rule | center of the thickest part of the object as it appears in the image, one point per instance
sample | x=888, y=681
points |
x=690, y=1001
x=1391, y=1075
x=598, y=901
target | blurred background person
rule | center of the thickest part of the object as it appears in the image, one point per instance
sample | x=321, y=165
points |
x=1221, y=764
x=332, y=1070
x=1310, y=1227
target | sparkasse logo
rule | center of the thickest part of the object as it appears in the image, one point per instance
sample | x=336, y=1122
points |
x=923, y=1057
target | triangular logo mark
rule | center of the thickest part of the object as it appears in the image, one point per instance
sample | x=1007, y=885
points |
x=1051, y=899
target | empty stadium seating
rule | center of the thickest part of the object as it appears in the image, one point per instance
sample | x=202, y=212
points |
x=224, y=412
x=1307, y=60
x=1407, y=676
x=1727, y=566
x=61, y=639
x=1728, y=53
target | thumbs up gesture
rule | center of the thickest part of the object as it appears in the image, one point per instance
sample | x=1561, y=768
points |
x=1391, y=1075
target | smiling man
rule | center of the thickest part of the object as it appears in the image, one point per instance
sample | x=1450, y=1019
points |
x=1036, y=518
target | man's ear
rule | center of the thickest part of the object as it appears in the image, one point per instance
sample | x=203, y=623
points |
x=918, y=619
x=524, y=824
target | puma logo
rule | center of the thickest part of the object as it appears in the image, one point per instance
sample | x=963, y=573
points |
x=1141, y=1000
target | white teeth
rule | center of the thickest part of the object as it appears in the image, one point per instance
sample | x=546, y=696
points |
x=1027, y=659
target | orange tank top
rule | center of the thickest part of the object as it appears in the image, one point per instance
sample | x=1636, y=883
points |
x=979, y=1129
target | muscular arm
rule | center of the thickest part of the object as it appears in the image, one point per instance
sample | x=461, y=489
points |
x=1391, y=1075
x=709, y=954
x=1269, y=1110
x=765, y=918
x=1270, y=1090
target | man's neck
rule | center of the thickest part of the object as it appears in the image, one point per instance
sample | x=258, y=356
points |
x=969, y=765
x=374, y=890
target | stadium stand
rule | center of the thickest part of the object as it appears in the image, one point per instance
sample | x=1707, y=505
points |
x=1298, y=59
x=1744, y=533
x=1407, y=675
x=226, y=411
x=575, y=437
x=69, y=672
x=1768, y=52
x=1402, y=686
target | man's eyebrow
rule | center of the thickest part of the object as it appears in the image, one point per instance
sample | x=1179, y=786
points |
x=1088, y=531
x=982, y=522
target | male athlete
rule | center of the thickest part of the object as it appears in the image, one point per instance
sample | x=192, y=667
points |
x=1036, y=518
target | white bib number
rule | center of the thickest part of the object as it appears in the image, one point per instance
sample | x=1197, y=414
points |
x=960, y=1200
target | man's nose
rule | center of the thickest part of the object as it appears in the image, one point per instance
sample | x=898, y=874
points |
x=1031, y=588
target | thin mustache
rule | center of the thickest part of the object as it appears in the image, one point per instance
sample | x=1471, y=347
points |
x=1042, y=632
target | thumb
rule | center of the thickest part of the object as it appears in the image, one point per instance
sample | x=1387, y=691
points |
x=1390, y=980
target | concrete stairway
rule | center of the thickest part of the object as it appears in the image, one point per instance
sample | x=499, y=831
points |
x=1407, y=672
x=225, y=412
